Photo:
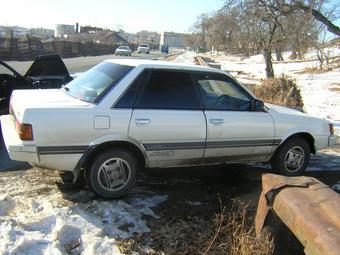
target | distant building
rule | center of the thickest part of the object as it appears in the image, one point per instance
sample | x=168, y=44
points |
x=172, y=39
x=62, y=30
x=14, y=31
x=147, y=37
x=129, y=37
x=90, y=29
x=41, y=33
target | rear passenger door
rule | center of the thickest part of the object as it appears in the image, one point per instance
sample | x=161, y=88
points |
x=168, y=119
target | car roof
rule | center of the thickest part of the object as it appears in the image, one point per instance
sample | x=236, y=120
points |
x=162, y=65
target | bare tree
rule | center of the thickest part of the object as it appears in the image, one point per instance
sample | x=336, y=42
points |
x=265, y=26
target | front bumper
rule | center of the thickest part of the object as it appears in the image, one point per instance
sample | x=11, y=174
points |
x=17, y=150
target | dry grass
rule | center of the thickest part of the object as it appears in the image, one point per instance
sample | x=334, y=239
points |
x=313, y=70
x=230, y=232
x=335, y=87
x=281, y=91
x=235, y=235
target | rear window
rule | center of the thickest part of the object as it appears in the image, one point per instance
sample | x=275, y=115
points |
x=93, y=84
x=143, y=45
x=123, y=47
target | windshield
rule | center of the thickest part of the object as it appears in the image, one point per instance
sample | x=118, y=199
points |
x=94, y=83
x=144, y=45
x=123, y=48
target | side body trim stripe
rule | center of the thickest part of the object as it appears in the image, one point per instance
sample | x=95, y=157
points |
x=211, y=145
x=48, y=150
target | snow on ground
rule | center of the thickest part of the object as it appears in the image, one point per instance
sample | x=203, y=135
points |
x=187, y=57
x=33, y=221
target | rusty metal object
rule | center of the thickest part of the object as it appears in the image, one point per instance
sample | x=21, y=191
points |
x=309, y=208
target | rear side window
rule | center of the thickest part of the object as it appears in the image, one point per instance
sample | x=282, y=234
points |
x=169, y=90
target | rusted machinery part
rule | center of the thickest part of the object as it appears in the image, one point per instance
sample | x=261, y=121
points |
x=309, y=208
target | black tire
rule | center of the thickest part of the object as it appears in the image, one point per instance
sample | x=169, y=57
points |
x=97, y=179
x=293, y=149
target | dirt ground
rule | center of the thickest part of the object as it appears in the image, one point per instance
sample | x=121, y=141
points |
x=186, y=218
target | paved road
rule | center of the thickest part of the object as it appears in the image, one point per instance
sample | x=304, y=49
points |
x=81, y=64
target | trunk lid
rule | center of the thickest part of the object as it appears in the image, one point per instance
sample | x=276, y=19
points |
x=22, y=100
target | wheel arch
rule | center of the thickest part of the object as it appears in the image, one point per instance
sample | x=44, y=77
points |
x=94, y=150
x=306, y=136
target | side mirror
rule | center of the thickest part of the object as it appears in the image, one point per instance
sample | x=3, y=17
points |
x=258, y=105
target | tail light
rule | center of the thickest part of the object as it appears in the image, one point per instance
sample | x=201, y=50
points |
x=25, y=131
x=331, y=129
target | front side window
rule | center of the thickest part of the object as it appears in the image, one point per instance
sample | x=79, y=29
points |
x=220, y=92
x=168, y=90
x=91, y=85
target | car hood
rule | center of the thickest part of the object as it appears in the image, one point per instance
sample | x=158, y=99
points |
x=276, y=109
x=289, y=114
x=23, y=100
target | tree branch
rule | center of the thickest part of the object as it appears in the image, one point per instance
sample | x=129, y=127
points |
x=320, y=17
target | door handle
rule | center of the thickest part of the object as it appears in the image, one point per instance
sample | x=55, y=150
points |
x=216, y=121
x=142, y=121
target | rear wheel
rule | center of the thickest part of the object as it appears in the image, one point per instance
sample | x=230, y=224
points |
x=113, y=174
x=292, y=157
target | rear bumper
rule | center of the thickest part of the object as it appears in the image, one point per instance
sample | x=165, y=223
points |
x=143, y=51
x=124, y=53
x=17, y=150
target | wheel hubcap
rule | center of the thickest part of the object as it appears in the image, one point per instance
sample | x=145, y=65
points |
x=114, y=174
x=294, y=159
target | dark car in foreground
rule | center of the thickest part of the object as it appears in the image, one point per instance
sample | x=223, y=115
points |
x=46, y=72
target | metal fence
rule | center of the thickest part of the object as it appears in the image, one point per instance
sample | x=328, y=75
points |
x=28, y=48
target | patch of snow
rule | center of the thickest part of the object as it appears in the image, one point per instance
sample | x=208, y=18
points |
x=6, y=205
x=42, y=225
x=187, y=57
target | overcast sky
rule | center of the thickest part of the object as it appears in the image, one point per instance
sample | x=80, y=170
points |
x=131, y=15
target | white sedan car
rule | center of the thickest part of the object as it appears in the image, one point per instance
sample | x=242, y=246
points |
x=143, y=48
x=126, y=114
x=123, y=51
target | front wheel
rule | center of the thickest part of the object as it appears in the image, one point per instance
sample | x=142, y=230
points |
x=113, y=174
x=292, y=157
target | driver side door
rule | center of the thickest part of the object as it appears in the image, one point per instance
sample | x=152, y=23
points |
x=235, y=133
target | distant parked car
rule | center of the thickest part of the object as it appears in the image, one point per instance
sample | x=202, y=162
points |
x=125, y=115
x=123, y=51
x=143, y=48
x=46, y=72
